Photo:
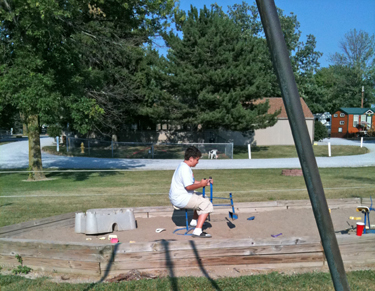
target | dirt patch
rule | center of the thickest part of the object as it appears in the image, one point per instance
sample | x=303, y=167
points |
x=285, y=223
x=288, y=222
x=292, y=172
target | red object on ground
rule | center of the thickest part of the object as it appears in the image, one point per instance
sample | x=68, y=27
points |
x=114, y=240
x=360, y=228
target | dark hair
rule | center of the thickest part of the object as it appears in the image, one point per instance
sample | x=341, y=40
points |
x=192, y=152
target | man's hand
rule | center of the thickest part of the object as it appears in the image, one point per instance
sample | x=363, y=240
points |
x=198, y=184
x=204, y=182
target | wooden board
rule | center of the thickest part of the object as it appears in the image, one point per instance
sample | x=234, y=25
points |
x=230, y=270
x=210, y=253
x=213, y=261
x=56, y=250
x=51, y=265
x=342, y=203
x=211, y=244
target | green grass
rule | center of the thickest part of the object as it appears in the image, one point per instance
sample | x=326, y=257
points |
x=5, y=142
x=126, y=152
x=79, y=191
x=272, y=152
x=358, y=280
x=177, y=152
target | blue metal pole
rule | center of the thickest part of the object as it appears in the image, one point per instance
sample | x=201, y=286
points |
x=231, y=201
x=211, y=190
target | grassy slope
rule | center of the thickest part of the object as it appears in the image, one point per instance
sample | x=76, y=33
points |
x=271, y=152
x=239, y=152
x=84, y=190
x=359, y=280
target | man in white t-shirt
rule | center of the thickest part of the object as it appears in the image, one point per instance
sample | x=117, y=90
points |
x=181, y=193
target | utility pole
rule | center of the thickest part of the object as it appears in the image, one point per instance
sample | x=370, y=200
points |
x=363, y=93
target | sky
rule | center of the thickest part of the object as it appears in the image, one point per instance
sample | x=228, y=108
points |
x=327, y=20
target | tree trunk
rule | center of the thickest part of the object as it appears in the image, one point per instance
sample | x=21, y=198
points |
x=35, y=153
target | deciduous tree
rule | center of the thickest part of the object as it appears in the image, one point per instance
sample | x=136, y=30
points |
x=71, y=60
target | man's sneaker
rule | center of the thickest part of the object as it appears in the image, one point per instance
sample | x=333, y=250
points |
x=193, y=223
x=202, y=235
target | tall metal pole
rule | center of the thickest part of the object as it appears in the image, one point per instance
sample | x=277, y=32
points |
x=283, y=68
x=363, y=93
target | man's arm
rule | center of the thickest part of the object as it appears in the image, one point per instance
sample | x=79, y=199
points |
x=198, y=184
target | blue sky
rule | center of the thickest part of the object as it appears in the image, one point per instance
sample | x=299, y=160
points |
x=327, y=20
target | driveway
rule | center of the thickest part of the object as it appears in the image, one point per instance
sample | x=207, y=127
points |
x=15, y=156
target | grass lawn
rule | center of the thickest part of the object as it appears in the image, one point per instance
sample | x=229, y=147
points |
x=358, y=280
x=177, y=152
x=4, y=142
x=271, y=152
x=78, y=191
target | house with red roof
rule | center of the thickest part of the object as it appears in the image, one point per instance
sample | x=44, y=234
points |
x=279, y=134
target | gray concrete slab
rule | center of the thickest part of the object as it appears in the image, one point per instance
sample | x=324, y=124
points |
x=15, y=155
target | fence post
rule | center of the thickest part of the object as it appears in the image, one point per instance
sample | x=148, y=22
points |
x=329, y=149
x=249, y=150
x=112, y=147
x=57, y=143
x=361, y=141
x=232, y=150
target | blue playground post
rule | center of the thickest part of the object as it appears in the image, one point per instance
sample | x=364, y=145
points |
x=211, y=191
x=231, y=201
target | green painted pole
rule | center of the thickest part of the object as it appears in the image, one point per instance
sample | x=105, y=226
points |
x=283, y=68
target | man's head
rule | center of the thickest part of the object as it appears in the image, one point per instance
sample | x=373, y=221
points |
x=192, y=156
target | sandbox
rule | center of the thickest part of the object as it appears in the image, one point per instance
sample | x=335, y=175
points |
x=283, y=236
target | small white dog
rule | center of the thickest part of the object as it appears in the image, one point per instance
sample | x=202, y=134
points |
x=212, y=154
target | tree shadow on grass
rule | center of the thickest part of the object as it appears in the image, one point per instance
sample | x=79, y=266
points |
x=80, y=176
x=6, y=204
x=244, y=150
x=360, y=180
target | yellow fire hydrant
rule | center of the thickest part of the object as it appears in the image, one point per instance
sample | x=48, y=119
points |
x=82, y=148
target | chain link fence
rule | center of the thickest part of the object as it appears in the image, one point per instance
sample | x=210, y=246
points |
x=5, y=133
x=139, y=150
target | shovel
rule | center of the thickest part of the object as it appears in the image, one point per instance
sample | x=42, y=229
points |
x=233, y=215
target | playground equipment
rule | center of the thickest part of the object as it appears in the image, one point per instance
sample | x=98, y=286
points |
x=232, y=214
x=187, y=228
x=104, y=220
x=366, y=212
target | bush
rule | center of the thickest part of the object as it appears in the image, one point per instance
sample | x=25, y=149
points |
x=371, y=132
x=320, y=131
x=54, y=130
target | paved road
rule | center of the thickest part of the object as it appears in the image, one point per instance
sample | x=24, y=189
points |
x=15, y=155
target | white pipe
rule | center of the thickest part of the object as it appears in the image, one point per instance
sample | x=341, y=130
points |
x=329, y=149
x=57, y=143
x=361, y=141
x=249, y=150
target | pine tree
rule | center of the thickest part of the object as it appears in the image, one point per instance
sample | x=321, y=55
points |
x=214, y=75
